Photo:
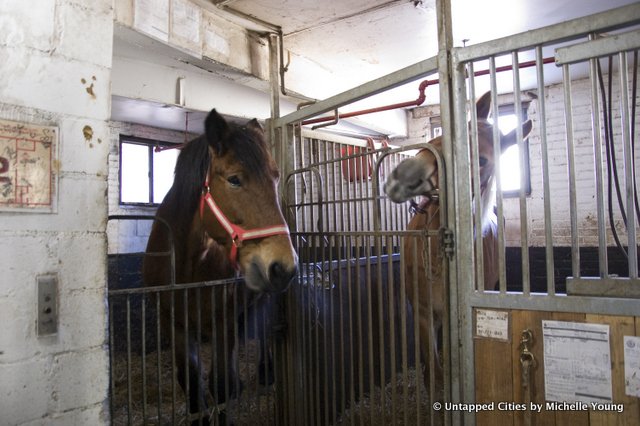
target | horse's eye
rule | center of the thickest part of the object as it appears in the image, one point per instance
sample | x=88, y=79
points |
x=234, y=180
x=483, y=161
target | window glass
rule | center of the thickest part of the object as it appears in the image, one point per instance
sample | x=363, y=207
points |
x=134, y=173
x=164, y=162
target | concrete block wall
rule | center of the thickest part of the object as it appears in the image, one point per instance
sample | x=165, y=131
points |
x=127, y=236
x=56, y=70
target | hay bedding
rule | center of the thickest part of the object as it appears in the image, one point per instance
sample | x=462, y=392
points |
x=378, y=408
x=256, y=405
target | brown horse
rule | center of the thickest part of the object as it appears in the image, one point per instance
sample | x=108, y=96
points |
x=224, y=217
x=418, y=176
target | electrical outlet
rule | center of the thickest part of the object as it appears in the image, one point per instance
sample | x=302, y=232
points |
x=47, y=304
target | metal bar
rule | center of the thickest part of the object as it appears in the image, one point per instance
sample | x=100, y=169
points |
x=112, y=378
x=373, y=87
x=629, y=170
x=158, y=356
x=542, y=123
x=144, y=358
x=573, y=210
x=476, y=192
x=461, y=274
x=129, y=383
x=502, y=270
x=524, y=232
x=595, y=48
x=598, y=166
x=557, y=303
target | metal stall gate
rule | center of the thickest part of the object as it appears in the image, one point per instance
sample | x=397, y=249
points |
x=353, y=352
x=352, y=339
x=558, y=259
x=568, y=248
x=143, y=343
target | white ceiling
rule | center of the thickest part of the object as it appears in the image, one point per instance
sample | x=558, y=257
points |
x=355, y=41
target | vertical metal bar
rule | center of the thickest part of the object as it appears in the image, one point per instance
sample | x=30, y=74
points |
x=341, y=321
x=402, y=301
x=173, y=356
x=542, y=123
x=629, y=170
x=460, y=276
x=392, y=353
x=416, y=323
x=112, y=354
x=502, y=270
x=159, y=355
x=144, y=358
x=332, y=334
x=369, y=296
x=476, y=191
x=599, y=167
x=358, y=334
x=381, y=330
x=573, y=209
x=215, y=344
x=233, y=363
x=129, y=383
x=199, y=352
x=225, y=341
x=524, y=233
x=187, y=390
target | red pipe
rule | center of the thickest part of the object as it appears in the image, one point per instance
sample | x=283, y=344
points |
x=422, y=97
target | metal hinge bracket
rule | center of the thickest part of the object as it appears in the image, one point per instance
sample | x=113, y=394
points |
x=447, y=242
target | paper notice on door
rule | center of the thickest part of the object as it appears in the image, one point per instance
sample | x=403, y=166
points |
x=577, y=362
x=632, y=365
x=492, y=324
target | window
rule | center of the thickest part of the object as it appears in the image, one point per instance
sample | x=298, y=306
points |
x=510, y=159
x=146, y=173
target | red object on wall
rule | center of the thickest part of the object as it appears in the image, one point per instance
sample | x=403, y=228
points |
x=355, y=168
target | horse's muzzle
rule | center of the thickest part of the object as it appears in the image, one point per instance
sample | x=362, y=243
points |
x=280, y=276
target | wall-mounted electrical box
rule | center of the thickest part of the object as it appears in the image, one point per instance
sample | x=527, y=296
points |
x=47, y=304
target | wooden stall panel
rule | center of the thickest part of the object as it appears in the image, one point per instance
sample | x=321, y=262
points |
x=499, y=376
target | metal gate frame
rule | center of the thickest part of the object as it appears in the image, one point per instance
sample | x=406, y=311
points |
x=450, y=65
x=462, y=276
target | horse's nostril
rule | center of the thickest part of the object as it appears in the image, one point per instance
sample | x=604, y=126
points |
x=281, y=276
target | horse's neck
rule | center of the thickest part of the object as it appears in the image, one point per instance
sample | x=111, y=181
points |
x=428, y=217
x=206, y=259
x=487, y=203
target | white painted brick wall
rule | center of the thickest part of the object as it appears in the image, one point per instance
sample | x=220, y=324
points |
x=52, y=51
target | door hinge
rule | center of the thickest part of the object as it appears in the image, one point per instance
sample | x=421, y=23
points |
x=447, y=242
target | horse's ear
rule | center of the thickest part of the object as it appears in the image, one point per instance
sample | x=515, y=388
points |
x=483, y=106
x=255, y=125
x=216, y=129
x=511, y=138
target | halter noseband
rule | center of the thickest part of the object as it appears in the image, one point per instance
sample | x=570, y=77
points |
x=238, y=234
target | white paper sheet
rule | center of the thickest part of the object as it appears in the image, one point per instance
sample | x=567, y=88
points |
x=493, y=324
x=632, y=365
x=577, y=362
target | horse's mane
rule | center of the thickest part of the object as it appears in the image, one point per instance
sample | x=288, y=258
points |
x=182, y=200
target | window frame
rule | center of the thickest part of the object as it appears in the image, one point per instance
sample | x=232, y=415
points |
x=151, y=145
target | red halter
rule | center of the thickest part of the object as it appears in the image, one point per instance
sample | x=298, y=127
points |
x=237, y=233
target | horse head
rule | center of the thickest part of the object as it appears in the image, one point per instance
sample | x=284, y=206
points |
x=418, y=176
x=240, y=207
